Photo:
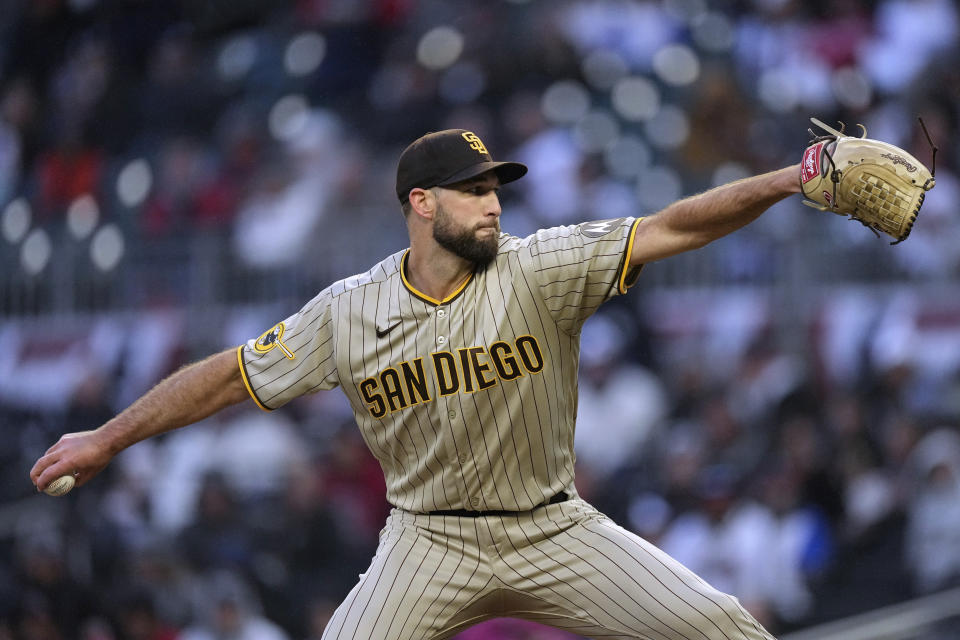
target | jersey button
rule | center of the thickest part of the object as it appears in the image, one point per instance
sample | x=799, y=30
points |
x=452, y=414
x=463, y=458
x=475, y=502
x=441, y=339
x=441, y=313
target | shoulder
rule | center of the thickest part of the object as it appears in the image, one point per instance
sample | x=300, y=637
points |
x=591, y=231
x=379, y=273
x=513, y=244
x=331, y=296
x=510, y=244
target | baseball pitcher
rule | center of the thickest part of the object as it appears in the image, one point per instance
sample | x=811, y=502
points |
x=459, y=357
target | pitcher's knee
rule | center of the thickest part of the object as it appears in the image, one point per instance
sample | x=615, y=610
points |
x=732, y=621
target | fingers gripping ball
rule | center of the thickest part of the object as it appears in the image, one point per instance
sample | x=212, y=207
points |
x=60, y=486
x=875, y=183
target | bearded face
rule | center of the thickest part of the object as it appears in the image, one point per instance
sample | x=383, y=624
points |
x=463, y=241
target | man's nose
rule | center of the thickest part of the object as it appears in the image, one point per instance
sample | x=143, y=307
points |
x=493, y=204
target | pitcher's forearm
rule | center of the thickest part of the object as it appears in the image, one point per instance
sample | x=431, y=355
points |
x=724, y=209
x=187, y=396
x=693, y=222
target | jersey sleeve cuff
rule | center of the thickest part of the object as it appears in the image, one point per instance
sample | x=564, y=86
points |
x=629, y=274
x=246, y=380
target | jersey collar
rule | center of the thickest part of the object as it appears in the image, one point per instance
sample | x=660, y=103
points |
x=422, y=296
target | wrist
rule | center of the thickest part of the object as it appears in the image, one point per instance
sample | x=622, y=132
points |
x=109, y=437
x=790, y=179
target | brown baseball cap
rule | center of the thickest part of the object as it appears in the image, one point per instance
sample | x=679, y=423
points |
x=444, y=157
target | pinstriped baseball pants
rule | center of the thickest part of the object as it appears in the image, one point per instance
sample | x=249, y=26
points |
x=565, y=565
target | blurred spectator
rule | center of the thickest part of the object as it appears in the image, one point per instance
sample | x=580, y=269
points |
x=125, y=507
x=553, y=189
x=257, y=451
x=353, y=484
x=229, y=610
x=636, y=30
x=680, y=458
x=18, y=123
x=802, y=546
x=217, y=538
x=725, y=434
x=65, y=172
x=290, y=196
x=311, y=549
x=764, y=379
x=869, y=492
x=895, y=55
x=51, y=604
x=718, y=539
x=138, y=619
x=319, y=612
x=620, y=403
x=177, y=100
x=185, y=183
x=649, y=515
x=157, y=576
x=933, y=511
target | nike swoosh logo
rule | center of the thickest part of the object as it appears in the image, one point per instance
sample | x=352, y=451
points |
x=380, y=333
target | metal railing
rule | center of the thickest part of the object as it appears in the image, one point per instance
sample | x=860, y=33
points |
x=931, y=617
x=204, y=270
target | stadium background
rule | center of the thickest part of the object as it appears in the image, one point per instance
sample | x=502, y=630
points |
x=778, y=410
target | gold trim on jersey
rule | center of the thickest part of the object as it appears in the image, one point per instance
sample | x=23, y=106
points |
x=246, y=380
x=628, y=275
x=423, y=296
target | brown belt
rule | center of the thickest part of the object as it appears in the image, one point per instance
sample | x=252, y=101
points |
x=464, y=513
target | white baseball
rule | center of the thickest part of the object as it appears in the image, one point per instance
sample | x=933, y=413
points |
x=60, y=486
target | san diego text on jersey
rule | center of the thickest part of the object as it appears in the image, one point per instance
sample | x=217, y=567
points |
x=468, y=370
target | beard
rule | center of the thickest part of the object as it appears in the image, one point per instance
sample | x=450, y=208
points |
x=463, y=242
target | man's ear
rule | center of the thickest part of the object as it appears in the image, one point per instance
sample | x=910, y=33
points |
x=423, y=202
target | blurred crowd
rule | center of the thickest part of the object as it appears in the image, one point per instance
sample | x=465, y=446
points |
x=190, y=172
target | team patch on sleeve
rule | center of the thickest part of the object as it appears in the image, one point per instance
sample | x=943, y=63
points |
x=273, y=339
x=600, y=228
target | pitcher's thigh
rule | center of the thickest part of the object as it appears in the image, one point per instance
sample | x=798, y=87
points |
x=412, y=589
x=612, y=583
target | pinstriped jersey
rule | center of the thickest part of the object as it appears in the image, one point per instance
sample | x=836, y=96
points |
x=467, y=402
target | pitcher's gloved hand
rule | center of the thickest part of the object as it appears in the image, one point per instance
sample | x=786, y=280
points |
x=875, y=183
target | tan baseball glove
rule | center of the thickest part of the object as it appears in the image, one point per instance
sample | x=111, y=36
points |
x=875, y=183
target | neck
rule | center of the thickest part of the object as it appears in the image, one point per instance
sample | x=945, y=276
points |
x=436, y=272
